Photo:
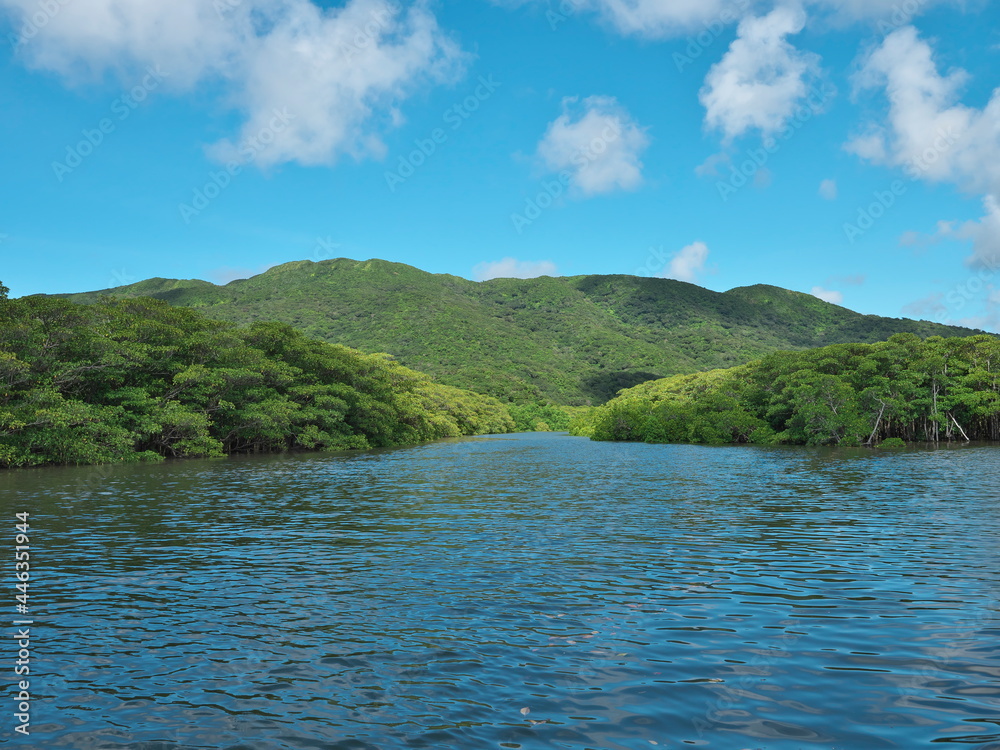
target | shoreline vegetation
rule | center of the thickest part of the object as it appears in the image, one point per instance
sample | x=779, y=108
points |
x=903, y=390
x=138, y=379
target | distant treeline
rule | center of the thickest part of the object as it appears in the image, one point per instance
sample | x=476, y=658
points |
x=137, y=379
x=904, y=389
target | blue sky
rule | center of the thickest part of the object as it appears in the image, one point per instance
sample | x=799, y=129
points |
x=844, y=148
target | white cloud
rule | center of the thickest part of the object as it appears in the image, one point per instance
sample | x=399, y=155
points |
x=989, y=321
x=933, y=136
x=688, y=263
x=647, y=18
x=869, y=145
x=891, y=13
x=984, y=234
x=710, y=167
x=659, y=18
x=340, y=73
x=927, y=132
x=85, y=38
x=925, y=308
x=919, y=240
x=512, y=268
x=938, y=307
x=673, y=18
x=761, y=78
x=598, y=143
x=827, y=295
x=828, y=190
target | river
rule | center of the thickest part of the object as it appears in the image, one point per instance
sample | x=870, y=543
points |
x=521, y=591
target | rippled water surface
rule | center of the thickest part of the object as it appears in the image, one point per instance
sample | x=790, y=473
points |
x=526, y=591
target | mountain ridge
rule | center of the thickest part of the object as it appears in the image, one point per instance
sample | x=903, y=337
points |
x=571, y=340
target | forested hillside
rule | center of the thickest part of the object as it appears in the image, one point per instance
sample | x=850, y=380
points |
x=138, y=379
x=905, y=389
x=568, y=340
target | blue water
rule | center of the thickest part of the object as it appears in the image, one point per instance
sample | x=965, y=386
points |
x=525, y=591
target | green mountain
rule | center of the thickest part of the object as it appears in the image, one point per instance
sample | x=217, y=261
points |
x=571, y=340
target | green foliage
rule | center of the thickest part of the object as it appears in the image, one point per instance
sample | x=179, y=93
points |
x=892, y=443
x=888, y=393
x=540, y=417
x=137, y=379
x=582, y=424
x=571, y=341
x=821, y=410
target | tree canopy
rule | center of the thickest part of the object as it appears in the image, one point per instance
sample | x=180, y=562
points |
x=138, y=379
x=903, y=389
